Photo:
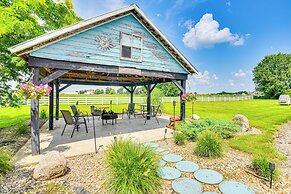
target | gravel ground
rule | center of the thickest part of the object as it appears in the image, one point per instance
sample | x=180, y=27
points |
x=88, y=171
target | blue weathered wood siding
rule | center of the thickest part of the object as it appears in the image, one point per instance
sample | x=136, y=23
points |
x=83, y=48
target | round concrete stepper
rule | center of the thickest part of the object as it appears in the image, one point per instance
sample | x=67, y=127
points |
x=150, y=144
x=187, y=186
x=208, y=176
x=162, y=163
x=187, y=166
x=172, y=158
x=169, y=173
x=229, y=187
x=162, y=151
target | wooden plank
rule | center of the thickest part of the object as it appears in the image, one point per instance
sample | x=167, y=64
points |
x=67, y=65
x=153, y=87
x=64, y=87
x=51, y=107
x=34, y=117
x=53, y=76
x=148, y=100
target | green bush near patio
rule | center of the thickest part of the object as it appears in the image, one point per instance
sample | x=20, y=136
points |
x=208, y=145
x=132, y=168
x=261, y=166
x=180, y=138
x=225, y=129
x=43, y=114
x=21, y=128
x=5, y=164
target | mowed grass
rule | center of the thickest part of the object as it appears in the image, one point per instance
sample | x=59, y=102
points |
x=265, y=115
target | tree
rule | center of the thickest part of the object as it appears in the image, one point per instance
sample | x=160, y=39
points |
x=120, y=91
x=98, y=91
x=272, y=75
x=21, y=20
x=109, y=90
x=168, y=89
x=140, y=91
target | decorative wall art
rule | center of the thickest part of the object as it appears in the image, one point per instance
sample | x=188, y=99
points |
x=104, y=42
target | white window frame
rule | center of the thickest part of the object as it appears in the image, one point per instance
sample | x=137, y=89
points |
x=131, y=46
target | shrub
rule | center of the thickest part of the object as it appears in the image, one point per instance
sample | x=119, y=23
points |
x=208, y=145
x=223, y=128
x=261, y=166
x=43, y=114
x=5, y=164
x=21, y=128
x=180, y=138
x=132, y=168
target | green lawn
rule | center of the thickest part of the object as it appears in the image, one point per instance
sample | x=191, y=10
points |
x=265, y=115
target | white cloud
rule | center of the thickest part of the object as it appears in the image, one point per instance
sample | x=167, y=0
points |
x=240, y=73
x=158, y=14
x=206, y=33
x=231, y=82
x=189, y=24
x=204, y=78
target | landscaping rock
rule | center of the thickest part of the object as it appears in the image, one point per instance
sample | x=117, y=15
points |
x=52, y=165
x=243, y=121
x=195, y=117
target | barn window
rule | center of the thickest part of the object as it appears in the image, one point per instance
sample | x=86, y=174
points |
x=131, y=47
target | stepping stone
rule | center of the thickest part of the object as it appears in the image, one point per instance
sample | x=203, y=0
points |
x=169, y=173
x=208, y=176
x=187, y=166
x=229, y=187
x=162, y=151
x=162, y=163
x=172, y=158
x=151, y=145
x=187, y=186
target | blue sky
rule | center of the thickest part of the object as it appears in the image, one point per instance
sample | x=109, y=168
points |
x=224, y=39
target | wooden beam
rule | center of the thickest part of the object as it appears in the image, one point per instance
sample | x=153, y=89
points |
x=57, y=100
x=51, y=107
x=182, y=103
x=148, y=100
x=64, y=87
x=53, y=76
x=179, y=86
x=34, y=117
x=68, y=65
x=153, y=87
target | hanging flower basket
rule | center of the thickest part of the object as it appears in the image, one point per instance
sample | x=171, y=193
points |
x=188, y=97
x=32, y=91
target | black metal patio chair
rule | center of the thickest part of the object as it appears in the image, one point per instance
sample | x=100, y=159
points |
x=129, y=111
x=78, y=114
x=95, y=112
x=152, y=114
x=72, y=121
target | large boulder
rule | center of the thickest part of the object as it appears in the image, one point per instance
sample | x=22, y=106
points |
x=195, y=117
x=243, y=121
x=52, y=165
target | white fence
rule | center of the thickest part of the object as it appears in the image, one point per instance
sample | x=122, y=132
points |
x=88, y=100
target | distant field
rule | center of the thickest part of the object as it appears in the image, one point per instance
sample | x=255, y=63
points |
x=265, y=115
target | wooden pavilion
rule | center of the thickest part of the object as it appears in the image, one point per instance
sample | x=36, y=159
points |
x=119, y=48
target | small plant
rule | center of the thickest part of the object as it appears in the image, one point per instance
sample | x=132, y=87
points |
x=21, y=128
x=261, y=166
x=54, y=188
x=180, y=138
x=5, y=164
x=208, y=145
x=132, y=168
x=223, y=128
x=43, y=114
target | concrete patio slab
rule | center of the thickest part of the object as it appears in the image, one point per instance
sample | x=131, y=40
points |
x=83, y=143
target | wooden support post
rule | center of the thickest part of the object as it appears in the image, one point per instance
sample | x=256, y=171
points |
x=131, y=94
x=57, y=100
x=51, y=107
x=148, y=87
x=182, y=103
x=34, y=118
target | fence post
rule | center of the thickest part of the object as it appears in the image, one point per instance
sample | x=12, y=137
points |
x=86, y=100
x=68, y=99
